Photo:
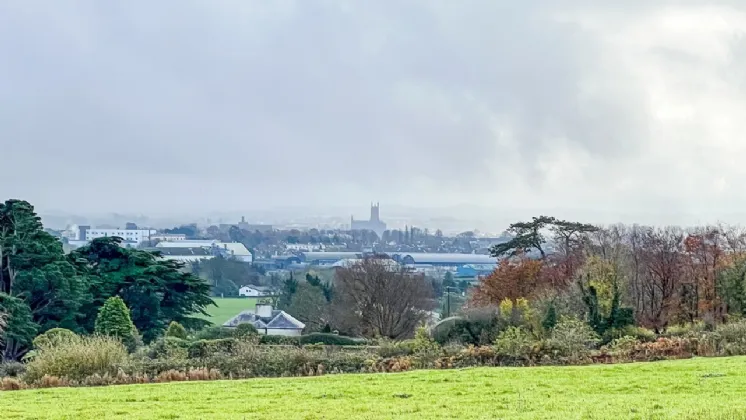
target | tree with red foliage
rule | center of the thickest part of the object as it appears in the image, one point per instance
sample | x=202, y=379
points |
x=514, y=278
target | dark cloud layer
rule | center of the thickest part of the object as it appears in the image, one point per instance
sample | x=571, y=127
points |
x=249, y=103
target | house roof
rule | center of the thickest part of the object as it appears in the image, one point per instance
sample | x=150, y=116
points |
x=178, y=251
x=235, y=248
x=278, y=320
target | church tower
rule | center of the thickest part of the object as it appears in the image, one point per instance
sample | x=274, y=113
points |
x=374, y=212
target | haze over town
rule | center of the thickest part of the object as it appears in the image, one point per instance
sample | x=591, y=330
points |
x=479, y=111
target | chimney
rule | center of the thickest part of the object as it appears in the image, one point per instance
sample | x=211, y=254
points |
x=263, y=310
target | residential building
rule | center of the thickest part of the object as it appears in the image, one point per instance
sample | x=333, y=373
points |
x=269, y=321
x=254, y=291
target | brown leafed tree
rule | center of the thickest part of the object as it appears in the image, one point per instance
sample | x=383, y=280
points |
x=512, y=279
x=662, y=257
x=382, y=299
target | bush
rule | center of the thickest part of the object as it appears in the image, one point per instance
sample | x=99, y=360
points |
x=78, y=358
x=514, y=343
x=205, y=348
x=12, y=369
x=687, y=330
x=330, y=340
x=114, y=320
x=388, y=348
x=176, y=330
x=280, y=340
x=53, y=337
x=168, y=347
x=478, y=326
x=214, y=333
x=244, y=331
x=573, y=339
x=639, y=333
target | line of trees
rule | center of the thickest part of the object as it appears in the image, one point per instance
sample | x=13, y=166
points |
x=616, y=275
x=42, y=288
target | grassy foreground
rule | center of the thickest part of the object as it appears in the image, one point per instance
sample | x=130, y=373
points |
x=686, y=389
x=228, y=308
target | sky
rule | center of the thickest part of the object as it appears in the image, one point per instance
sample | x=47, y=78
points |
x=631, y=111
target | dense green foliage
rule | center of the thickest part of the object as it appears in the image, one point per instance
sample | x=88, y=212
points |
x=39, y=288
x=157, y=291
x=42, y=289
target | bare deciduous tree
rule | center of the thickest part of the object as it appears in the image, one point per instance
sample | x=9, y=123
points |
x=382, y=299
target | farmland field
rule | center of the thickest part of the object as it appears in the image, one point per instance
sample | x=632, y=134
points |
x=228, y=308
x=686, y=389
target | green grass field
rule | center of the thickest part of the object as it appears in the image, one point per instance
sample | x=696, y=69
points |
x=687, y=389
x=228, y=308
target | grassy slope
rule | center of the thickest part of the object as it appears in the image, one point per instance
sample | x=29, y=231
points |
x=228, y=308
x=688, y=389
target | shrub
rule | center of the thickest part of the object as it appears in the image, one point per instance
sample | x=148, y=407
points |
x=244, y=331
x=114, y=320
x=639, y=333
x=478, y=326
x=214, y=333
x=515, y=343
x=687, y=330
x=205, y=348
x=11, y=369
x=664, y=348
x=78, y=358
x=388, y=348
x=53, y=337
x=11, y=384
x=330, y=339
x=176, y=330
x=573, y=339
x=168, y=347
x=280, y=340
x=623, y=347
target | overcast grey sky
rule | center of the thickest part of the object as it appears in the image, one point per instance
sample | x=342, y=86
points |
x=154, y=106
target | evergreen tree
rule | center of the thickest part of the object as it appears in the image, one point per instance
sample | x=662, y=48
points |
x=41, y=288
x=114, y=319
x=176, y=330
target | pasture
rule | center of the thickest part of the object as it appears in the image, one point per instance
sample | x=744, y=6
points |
x=685, y=389
x=228, y=308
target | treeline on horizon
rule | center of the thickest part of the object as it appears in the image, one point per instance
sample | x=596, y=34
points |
x=612, y=276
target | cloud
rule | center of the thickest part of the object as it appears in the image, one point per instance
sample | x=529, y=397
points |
x=537, y=104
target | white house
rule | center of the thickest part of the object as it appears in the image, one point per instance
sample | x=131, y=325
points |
x=269, y=321
x=252, y=291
